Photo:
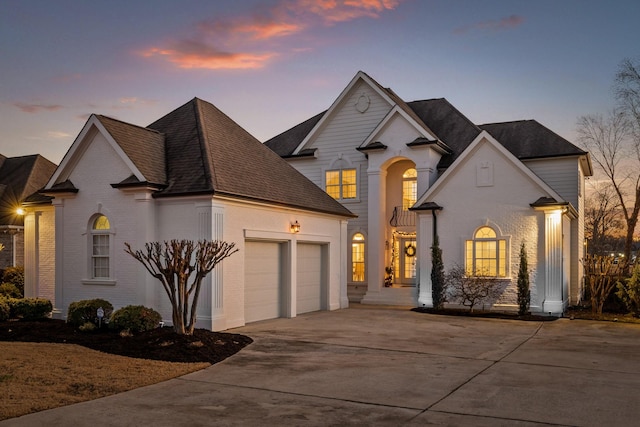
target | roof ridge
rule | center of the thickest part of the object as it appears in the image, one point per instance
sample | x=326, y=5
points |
x=127, y=123
x=511, y=121
x=203, y=139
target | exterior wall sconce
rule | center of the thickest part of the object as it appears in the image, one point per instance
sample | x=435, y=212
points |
x=20, y=211
x=295, y=227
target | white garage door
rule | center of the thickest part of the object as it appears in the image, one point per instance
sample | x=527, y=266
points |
x=262, y=281
x=309, y=278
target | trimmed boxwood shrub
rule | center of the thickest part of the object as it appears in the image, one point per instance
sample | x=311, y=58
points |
x=5, y=310
x=135, y=318
x=15, y=275
x=30, y=308
x=10, y=290
x=83, y=311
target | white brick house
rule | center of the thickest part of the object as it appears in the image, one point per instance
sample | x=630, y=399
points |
x=193, y=174
x=410, y=170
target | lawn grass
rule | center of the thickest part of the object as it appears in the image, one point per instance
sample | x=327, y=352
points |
x=39, y=376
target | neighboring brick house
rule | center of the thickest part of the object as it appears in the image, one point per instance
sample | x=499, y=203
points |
x=192, y=174
x=19, y=177
x=411, y=170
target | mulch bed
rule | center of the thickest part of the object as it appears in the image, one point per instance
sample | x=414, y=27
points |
x=158, y=344
x=486, y=314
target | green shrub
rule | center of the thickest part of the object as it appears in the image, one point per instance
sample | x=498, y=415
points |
x=81, y=312
x=5, y=310
x=10, y=290
x=30, y=308
x=135, y=318
x=15, y=275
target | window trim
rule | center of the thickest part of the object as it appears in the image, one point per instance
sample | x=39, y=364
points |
x=414, y=180
x=363, y=242
x=499, y=237
x=341, y=183
x=90, y=233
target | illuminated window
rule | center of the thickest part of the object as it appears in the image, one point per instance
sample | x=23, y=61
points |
x=341, y=183
x=357, y=258
x=409, y=188
x=100, y=247
x=486, y=254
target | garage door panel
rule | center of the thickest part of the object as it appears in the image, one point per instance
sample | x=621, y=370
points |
x=309, y=278
x=263, y=280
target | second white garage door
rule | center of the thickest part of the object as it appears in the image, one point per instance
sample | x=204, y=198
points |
x=309, y=278
x=262, y=281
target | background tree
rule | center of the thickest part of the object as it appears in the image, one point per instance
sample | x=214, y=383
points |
x=524, y=293
x=173, y=263
x=602, y=273
x=614, y=143
x=604, y=224
x=438, y=291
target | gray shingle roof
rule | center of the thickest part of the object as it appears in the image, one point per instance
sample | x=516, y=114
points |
x=145, y=147
x=19, y=178
x=208, y=153
x=528, y=139
x=525, y=139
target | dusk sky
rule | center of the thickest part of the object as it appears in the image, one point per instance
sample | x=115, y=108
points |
x=272, y=64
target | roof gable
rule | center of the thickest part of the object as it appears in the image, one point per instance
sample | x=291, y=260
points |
x=360, y=76
x=484, y=138
x=93, y=126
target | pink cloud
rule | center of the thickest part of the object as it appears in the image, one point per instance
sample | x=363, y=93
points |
x=505, y=23
x=249, y=42
x=36, y=108
x=333, y=11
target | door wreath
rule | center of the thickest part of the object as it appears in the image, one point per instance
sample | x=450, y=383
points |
x=410, y=251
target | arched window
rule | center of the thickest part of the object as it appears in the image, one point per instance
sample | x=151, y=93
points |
x=486, y=254
x=357, y=258
x=409, y=188
x=100, y=247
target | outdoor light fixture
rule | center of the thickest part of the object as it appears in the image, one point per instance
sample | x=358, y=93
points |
x=295, y=227
x=20, y=211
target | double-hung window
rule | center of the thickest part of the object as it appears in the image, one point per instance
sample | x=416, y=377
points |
x=341, y=184
x=100, y=248
x=486, y=254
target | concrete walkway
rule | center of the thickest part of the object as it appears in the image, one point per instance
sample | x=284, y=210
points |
x=390, y=366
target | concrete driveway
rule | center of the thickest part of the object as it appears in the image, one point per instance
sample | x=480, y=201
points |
x=390, y=366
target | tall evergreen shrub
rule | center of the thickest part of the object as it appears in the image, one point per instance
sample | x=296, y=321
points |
x=524, y=293
x=438, y=291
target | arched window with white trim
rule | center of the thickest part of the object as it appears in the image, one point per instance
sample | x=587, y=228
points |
x=357, y=257
x=486, y=254
x=409, y=188
x=100, y=248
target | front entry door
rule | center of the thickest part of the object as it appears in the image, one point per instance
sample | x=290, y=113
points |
x=407, y=261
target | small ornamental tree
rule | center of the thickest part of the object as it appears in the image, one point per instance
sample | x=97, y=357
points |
x=471, y=289
x=524, y=293
x=438, y=288
x=602, y=274
x=173, y=263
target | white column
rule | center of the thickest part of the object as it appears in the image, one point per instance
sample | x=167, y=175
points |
x=424, y=179
x=424, y=234
x=553, y=262
x=149, y=289
x=59, y=308
x=31, y=259
x=345, y=247
x=376, y=232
